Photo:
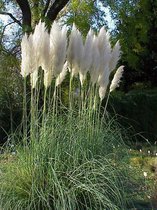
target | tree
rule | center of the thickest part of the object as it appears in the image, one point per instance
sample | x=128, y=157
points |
x=85, y=14
x=11, y=89
x=32, y=10
x=136, y=27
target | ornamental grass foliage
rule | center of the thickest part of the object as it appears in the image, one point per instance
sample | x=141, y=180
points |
x=69, y=158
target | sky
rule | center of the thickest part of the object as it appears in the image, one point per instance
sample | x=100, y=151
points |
x=108, y=18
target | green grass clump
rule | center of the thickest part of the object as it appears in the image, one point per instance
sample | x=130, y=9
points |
x=74, y=164
x=71, y=157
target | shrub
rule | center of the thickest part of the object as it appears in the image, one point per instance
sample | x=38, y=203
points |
x=136, y=109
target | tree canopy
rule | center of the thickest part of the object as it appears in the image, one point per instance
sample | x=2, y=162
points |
x=136, y=27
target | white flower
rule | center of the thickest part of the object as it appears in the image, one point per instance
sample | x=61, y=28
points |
x=58, y=45
x=94, y=70
x=34, y=78
x=104, y=48
x=45, y=53
x=39, y=42
x=103, y=81
x=102, y=92
x=145, y=174
x=47, y=78
x=115, y=56
x=116, y=79
x=75, y=51
x=87, y=56
x=28, y=64
x=62, y=75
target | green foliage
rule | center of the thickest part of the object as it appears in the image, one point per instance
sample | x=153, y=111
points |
x=84, y=14
x=10, y=95
x=136, y=27
x=137, y=109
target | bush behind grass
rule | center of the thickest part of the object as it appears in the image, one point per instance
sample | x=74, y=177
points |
x=75, y=164
x=136, y=109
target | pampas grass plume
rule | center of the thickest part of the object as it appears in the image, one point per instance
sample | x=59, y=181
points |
x=87, y=57
x=39, y=42
x=58, y=45
x=115, y=56
x=87, y=53
x=102, y=92
x=75, y=51
x=71, y=47
x=47, y=78
x=94, y=70
x=28, y=64
x=34, y=78
x=62, y=75
x=45, y=53
x=116, y=79
x=104, y=49
x=103, y=79
x=25, y=56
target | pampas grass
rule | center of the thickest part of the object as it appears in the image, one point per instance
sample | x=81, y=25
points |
x=28, y=64
x=34, y=78
x=68, y=160
x=87, y=56
x=62, y=75
x=115, y=56
x=75, y=51
x=58, y=45
x=116, y=79
x=94, y=56
x=94, y=70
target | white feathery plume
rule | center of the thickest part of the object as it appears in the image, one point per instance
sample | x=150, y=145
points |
x=102, y=92
x=45, y=53
x=87, y=53
x=116, y=79
x=62, y=75
x=39, y=42
x=104, y=48
x=87, y=57
x=58, y=45
x=115, y=56
x=78, y=52
x=47, y=78
x=82, y=78
x=94, y=70
x=71, y=47
x=101, y=37
x=28, y=64
x=103, y=82
x=34, y=78
x=107, y=52
x=75, y=51
x=25, y=56
x=103, y=79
